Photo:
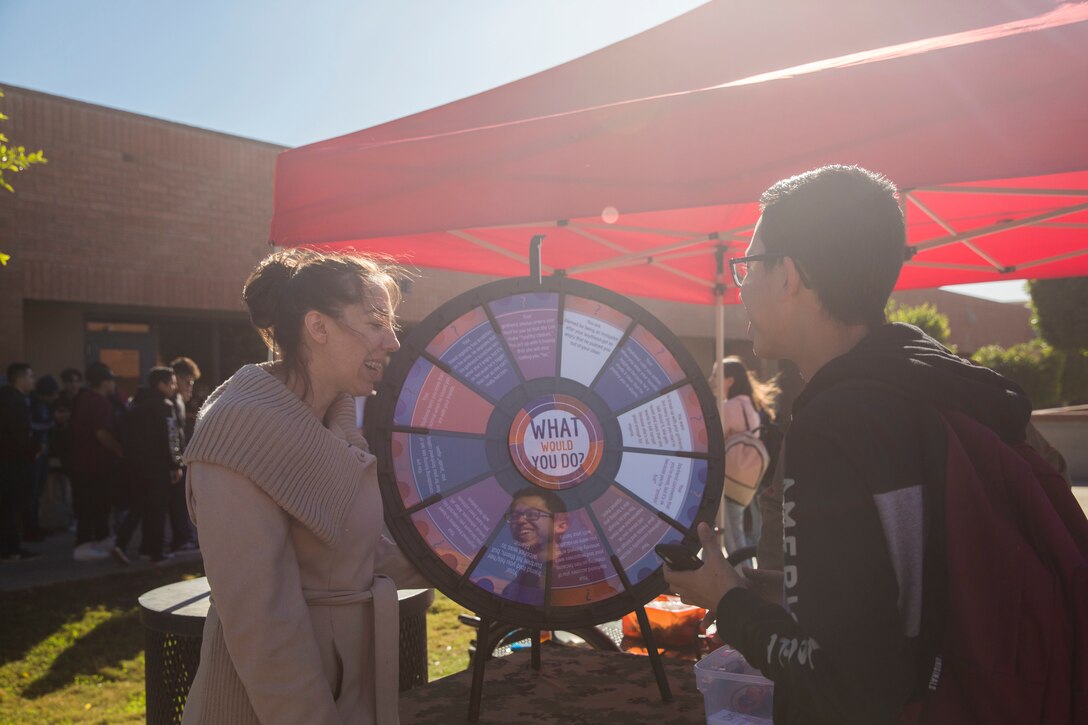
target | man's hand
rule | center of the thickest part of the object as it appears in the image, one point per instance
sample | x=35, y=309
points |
x=705, y=586
x=175, y=475
x=767, y=583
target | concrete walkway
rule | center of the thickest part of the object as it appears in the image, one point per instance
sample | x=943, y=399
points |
x=57, y=565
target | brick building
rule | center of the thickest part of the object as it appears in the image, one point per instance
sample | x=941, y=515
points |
x=131, y=243
x=131, y=246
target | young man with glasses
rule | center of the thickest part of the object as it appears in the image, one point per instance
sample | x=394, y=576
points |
x=538, y=522
x=845, y=644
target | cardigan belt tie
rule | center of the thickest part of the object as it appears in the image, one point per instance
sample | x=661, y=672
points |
x=383, y=595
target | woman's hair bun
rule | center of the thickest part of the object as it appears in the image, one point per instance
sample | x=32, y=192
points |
x=264, y=290
x=289, y=283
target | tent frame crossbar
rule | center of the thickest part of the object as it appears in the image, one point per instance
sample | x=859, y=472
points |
x=1001, y=190
x=473, y=239
x=647, y=256
x=1004, y=270
x=673, y=233
x=950, y=265
x=999, y=228
x=619, y=248
x=951, y=230
x=1048, y=260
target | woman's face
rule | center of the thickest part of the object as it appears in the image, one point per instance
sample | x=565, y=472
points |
x=364, y=342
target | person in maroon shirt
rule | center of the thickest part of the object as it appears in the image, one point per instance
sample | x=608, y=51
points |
x=96, y=455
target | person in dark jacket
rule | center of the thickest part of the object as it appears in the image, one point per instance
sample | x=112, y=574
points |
x=18, y=451
x=96, y=453
x=42, y=425
x=71, y=386
x=844, y=642
x=152, y=441
x=182, y=533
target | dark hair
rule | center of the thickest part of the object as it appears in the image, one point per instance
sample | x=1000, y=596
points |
x=745, y=382
x=142, y=393
x=17, y=370
x=288, y=284
x=158, y=376
x=98, y=373
x=46, y=385
x=71, y=375
x=843, y=226
x=551, y=499
x=185, y=367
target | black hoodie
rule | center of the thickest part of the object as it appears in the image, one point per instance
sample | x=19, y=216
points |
x=864, y=446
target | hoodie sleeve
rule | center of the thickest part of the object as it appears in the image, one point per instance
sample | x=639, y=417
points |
x=845, y=650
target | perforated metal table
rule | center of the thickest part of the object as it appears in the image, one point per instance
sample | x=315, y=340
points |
x=173, y=619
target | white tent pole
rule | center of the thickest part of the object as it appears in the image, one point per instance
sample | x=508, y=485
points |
x=719, y=353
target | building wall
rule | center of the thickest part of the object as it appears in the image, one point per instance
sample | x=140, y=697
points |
x=138, y=216
x=54, y=336
x=975, y=322
x=129, y=211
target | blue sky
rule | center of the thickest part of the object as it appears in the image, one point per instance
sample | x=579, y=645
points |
x=297, y=72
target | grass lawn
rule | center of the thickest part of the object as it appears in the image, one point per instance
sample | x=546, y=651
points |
x=73, y=652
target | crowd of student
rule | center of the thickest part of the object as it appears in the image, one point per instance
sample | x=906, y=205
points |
x=119, y=457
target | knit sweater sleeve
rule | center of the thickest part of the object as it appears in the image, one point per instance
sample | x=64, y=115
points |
x=256, y=588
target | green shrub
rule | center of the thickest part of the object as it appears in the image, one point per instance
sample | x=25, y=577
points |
x=1074, y=390
x=924, y=316
x=1035, y=366
x=1060, y=308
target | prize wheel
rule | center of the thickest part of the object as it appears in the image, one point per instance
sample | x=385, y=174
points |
x=535, y=442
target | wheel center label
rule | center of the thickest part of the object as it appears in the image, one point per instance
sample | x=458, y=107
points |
x=555, y=442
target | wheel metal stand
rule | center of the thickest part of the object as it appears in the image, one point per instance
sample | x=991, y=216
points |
x=482, y=655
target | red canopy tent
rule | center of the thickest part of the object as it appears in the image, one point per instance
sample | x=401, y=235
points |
x=641, y=162
x=638, y=161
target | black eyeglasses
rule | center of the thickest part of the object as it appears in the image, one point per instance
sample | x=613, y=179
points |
x=738, y=266
x=530, y=515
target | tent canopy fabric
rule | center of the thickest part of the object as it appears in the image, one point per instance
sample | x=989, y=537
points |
x=637, y=162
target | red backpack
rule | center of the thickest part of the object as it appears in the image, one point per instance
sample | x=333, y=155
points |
x=1012, y=646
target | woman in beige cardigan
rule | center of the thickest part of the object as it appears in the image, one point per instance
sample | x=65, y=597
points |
x=283, y=490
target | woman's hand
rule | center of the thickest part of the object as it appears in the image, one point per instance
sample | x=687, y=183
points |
x=705, y=586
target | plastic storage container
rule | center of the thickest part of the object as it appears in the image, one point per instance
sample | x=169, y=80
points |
x=734, y=693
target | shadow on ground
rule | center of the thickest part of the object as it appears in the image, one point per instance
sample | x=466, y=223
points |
x=112, y=642
x=33, y=616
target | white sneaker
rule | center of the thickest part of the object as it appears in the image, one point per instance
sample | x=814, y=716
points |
x=119, y=554
x=89, y=551
x=105, y=544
